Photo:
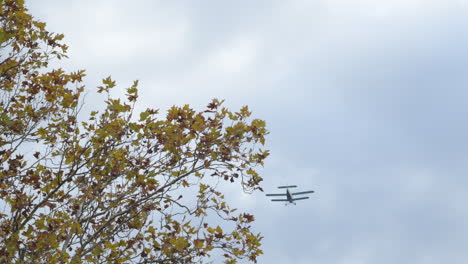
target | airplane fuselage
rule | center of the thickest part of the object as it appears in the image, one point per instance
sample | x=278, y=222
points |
x=288, y=196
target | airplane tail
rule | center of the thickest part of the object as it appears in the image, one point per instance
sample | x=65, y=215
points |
x=287, y=186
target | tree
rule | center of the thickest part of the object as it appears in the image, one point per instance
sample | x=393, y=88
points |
x=116, y=187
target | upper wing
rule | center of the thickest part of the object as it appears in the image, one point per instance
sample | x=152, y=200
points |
x=276, y=194
x=300, y=198
x=302, y=192
x=279, y=200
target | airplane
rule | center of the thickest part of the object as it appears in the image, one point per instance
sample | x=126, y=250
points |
x=289, y=196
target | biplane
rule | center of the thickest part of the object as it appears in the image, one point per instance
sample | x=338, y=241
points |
x=290, y=197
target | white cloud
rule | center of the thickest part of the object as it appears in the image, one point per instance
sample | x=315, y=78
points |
x=237, y=57
x=359, y=96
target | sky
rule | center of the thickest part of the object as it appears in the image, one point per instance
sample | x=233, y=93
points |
x=366, y=103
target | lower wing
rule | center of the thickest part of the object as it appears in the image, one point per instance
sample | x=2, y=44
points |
x=279, y=200
x=301, y=198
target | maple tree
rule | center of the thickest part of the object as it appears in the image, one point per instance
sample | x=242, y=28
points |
x=117, y=186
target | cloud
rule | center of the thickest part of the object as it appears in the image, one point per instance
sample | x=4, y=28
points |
x=365, y=101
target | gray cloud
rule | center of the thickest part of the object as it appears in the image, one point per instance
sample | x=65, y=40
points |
x=365, y=100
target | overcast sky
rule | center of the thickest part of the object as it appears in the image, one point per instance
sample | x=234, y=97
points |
x=366, y=101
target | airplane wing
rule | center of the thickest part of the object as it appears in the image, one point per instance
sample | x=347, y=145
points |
x=279, y=200
x=301, y=198
x=276, y=194
x=302, y=192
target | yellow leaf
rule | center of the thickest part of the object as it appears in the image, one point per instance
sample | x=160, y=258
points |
x=199, y=244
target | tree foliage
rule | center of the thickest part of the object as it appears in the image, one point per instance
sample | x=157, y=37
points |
x=116, y=186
